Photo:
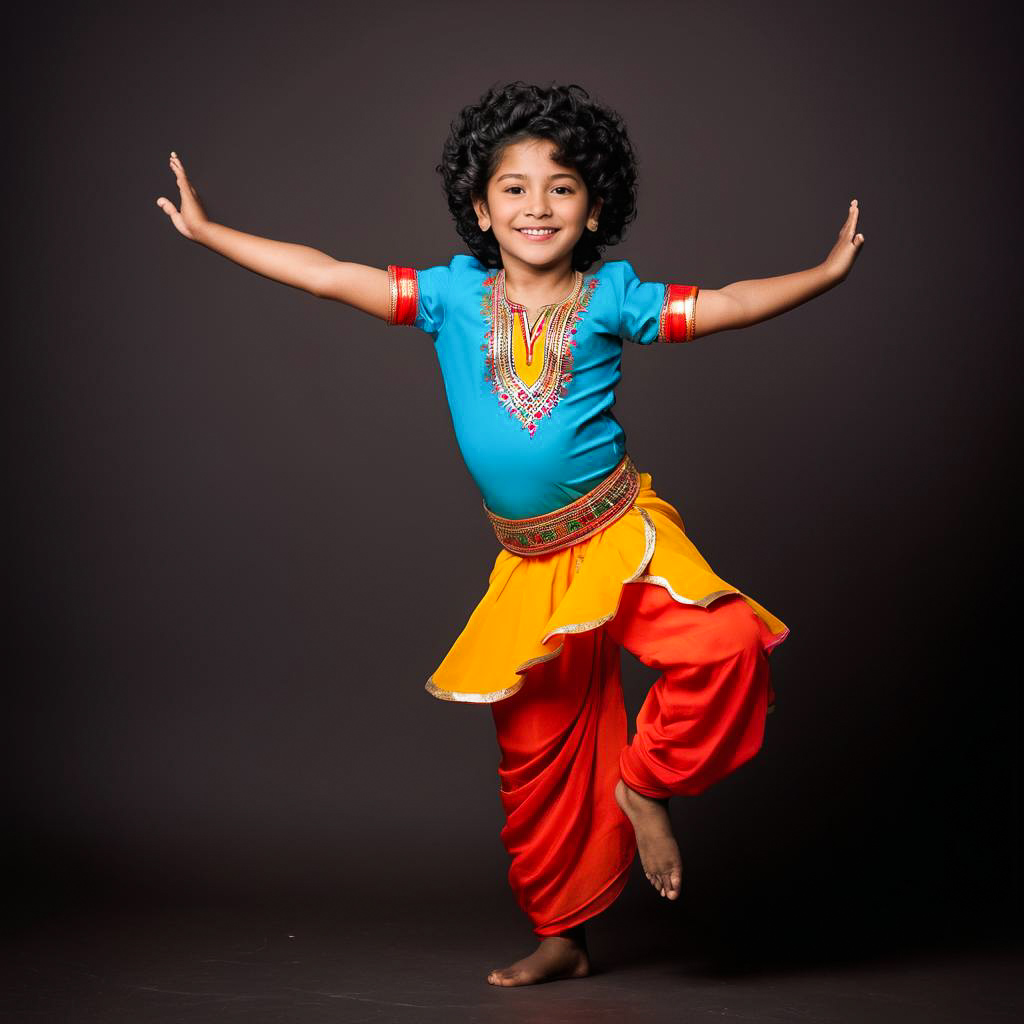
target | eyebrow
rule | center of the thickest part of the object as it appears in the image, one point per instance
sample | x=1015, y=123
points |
x=562, y=174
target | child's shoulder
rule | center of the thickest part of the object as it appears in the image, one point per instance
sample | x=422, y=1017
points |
x=463, y=264
x=619, y=271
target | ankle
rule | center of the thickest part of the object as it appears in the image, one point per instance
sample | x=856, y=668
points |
x=576, y=936
x=637, y=798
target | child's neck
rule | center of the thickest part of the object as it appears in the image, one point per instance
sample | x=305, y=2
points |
x=532, y=286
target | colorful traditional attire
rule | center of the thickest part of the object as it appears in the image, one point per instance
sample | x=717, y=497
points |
x=592, y=560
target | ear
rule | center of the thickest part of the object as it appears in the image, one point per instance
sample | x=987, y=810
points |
x=483, y=218
x=595, y=214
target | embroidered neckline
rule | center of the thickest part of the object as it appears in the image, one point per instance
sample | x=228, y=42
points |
x=577, y=279
x=529, y=404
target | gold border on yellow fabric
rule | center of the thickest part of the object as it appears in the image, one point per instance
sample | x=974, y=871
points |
x=469, y=698
x=650, y=539
x=638, y=576
x=702, y=601
x=540, y=659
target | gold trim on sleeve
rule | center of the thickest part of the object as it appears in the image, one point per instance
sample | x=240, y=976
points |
x=678, y=318
x=403, y=296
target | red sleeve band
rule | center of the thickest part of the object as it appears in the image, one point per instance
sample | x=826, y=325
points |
x=677, y=321
x=404, y=291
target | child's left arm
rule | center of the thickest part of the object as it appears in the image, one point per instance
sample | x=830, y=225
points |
x=749, y=302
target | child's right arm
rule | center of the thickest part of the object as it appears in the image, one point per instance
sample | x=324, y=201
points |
x=365, y=288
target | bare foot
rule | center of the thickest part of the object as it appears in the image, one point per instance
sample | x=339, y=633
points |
x=558, y=956
x=657, y=846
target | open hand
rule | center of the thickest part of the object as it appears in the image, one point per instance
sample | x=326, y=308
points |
x=844, y=252
x=192, y=217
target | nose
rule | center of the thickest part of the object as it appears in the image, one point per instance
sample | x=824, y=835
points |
x=539, y=205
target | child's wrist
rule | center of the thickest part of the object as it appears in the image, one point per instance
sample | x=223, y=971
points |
x=201, y=232
x=830, y=273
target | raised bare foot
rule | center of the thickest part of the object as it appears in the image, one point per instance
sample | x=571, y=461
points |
x=657, y=846
x=558, y=956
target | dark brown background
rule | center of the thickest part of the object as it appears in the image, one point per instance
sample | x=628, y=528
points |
x=242, y=536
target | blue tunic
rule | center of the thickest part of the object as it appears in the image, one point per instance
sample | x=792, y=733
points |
x=533, y=448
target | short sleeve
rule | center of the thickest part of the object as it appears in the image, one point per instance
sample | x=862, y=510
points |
x=651, y=311
x=418, y=297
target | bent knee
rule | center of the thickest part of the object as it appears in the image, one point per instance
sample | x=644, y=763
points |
x=731, y=630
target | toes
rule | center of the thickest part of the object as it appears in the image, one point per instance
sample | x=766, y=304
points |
x=668, y=885
x=671, y=885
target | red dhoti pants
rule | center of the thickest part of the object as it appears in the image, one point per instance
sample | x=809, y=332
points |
x=563, y=741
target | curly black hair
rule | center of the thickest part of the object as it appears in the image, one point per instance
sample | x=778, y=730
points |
x=588, y=136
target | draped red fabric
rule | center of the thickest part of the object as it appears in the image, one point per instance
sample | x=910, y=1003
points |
x=564, y=744
x=560, y=736
x=705, y=715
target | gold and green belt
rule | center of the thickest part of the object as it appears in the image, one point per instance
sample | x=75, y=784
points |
x=582, y=518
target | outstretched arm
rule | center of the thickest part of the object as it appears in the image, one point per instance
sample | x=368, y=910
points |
x=313, y=271
x=749, y=302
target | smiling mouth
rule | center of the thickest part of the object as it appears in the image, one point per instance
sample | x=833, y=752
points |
x=537, y=232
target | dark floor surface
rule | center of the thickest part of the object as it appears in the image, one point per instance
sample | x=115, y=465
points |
x=310, y=966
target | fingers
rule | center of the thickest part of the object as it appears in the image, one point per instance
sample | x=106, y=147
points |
x=851, y=219
x=176, y=218
x=179, y=173
x=189, y=216
x=849, y=226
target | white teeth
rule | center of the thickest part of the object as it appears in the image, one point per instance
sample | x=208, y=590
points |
x=537, y=231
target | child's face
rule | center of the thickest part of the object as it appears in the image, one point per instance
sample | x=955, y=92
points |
x=528, y=190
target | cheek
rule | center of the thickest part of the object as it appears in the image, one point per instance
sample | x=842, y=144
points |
x=577, y=209
x=496, y=210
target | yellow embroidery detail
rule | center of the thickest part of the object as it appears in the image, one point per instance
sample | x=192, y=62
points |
x=528, y=359
x=531, y=398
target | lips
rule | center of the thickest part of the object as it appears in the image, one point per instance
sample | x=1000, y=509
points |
x=541, y=233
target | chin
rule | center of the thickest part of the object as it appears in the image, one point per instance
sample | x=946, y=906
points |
x=534, y=252
x=540, y=255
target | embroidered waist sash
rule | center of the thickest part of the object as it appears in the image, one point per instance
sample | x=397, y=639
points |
x=540, y=535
